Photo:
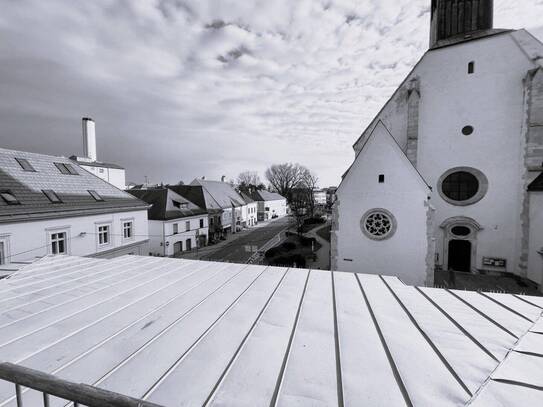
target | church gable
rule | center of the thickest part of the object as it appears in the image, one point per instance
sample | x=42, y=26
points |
x=382, y=161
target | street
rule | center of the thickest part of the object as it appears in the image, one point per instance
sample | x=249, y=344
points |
x=243, y=247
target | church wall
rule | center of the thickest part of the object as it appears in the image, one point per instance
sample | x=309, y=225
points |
x=535, y=257
x=490, y=100
x=403, y=194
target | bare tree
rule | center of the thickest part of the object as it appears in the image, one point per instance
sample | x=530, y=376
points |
x=284, y=177
x=309, y=183
x=248, y=180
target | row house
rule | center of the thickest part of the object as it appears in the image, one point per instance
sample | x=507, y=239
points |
x=50, y=205
x=175, y=224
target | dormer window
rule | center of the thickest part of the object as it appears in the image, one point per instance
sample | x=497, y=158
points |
x=180, y=205
x=51, y=195
x=25, y=164
x=9, y=198
x=67, y=169
x=95, y=195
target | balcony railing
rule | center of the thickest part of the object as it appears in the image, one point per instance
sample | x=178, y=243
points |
x=77, y=393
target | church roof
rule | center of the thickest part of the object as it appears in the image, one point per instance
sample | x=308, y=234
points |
x=184, y=332
x=536, y=184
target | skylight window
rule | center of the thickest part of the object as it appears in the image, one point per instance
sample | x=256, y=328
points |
x=9, y=198
x=95, y=195
x=67, y=169
x=51, y=195
x=25, y=164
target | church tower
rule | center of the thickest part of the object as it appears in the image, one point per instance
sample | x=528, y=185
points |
x=458, y=18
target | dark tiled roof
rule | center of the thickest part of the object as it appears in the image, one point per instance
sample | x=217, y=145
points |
x=193, y=193
x=96, y=163
x=536, y=184
x=27, y=186
x=247, y=198
x=270, y=196
x=162, y=201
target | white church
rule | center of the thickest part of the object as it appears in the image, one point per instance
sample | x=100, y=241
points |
x=448, y=175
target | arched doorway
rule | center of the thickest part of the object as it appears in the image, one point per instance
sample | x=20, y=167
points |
x=460, y=243
x=459, y=255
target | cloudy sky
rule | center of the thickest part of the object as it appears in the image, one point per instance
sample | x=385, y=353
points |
x=185, y=88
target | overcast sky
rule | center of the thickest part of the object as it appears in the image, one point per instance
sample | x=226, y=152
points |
x=185, y=88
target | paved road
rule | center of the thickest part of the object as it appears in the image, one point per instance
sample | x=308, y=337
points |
x=241, y=249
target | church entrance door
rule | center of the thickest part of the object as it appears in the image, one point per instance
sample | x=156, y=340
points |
x=460, y=255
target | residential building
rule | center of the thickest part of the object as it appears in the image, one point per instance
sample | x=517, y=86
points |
x=319, y=197
x=112, y=173
x=466, y=122
x=193, y=333
x=271, y=205
x=175, y=224
x=250, y=211
x=220, y=195
x=195, y=194
x=50, y=205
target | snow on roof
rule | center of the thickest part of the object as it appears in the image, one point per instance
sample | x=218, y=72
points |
x=184, y=332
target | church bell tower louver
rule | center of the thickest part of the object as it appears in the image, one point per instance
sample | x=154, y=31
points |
x=452, y=18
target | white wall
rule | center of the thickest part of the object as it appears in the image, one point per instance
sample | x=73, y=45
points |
x=277, y=207
x=114, y=176
x=249, y=214
x=163, y=239
x=403, y=194
x=33, y=237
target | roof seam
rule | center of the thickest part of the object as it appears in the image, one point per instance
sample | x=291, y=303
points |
x=457, y=324
x=504, y=306
x=281, y=374
x=393, y=366
x=339, y=376
x=200, y=338
x=243, y=341
x=482, y=314
x=427, y=338
x=526, y=301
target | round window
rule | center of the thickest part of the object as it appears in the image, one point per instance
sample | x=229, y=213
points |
x=378, y=224
x=460, y=230
x=462, y=186
x=467, y=130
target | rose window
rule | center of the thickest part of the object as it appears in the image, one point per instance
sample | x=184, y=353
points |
x=378, y=224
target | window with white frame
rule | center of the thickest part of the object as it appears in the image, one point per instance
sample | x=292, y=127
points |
x=128, y=229
x=58, y=243
x=103, y=235
x=175, y=228
x=187, y=225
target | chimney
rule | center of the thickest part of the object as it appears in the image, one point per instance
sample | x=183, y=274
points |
x=451, y=18
x=223, y=178
x=89, y=138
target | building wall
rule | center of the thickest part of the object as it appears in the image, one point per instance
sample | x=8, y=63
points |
x=491, y=100
x=319, y=197
x=402, y=194
x=114, y=176
x=163, y=240
x=535, y=258
x=249, y=214
x=31, y=239
x=277, y=207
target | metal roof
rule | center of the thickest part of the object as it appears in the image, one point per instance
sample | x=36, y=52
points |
x=72, y=189
x=183, y=332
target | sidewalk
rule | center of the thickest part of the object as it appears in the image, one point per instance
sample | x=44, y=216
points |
x=323, y=254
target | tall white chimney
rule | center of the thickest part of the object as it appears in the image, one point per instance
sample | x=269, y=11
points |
x=89, y=138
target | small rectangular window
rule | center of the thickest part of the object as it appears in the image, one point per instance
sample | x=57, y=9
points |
x=201, y=223
x=9, y=198
x=176, y=204
x=25, y=164
x=471, y=67
x=2, y=253
x=211, y=221
x=95, y=195
x=58, y=243
x=187, y=225
x=103, y=235
x=175, y=228
x=128, y=230
x=51, y=195
x=381, y=178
